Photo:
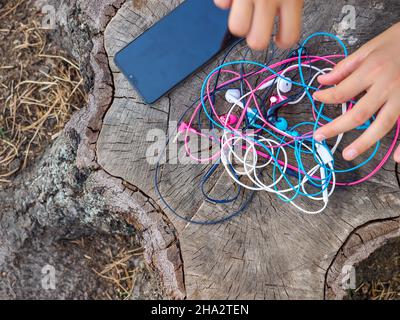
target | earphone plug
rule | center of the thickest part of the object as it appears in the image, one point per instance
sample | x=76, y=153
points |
x=183, y=127
x=325, y=195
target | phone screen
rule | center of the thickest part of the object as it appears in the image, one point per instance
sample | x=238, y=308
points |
x=174, y=48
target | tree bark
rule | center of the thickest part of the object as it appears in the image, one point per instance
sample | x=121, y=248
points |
x=67, y=191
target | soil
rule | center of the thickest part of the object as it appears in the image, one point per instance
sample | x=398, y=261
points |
x=40, y=87
x=378, y=277
x=77, y=264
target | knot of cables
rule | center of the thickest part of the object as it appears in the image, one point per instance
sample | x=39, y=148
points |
x=241, y=105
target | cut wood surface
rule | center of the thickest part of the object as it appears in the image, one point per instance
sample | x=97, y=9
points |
x=271, y=250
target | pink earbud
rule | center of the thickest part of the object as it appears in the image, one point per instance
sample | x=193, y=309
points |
x=231, y=121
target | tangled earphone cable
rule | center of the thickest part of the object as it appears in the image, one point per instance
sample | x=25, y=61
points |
x=255, y=145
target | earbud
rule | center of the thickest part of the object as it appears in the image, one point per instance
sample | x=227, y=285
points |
x=281, y=124
x=230, y=121
x=232, y=95
x=276, y=99
x=267, y=84
x=284, y=85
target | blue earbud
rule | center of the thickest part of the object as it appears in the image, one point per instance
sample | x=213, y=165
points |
x=281, y=124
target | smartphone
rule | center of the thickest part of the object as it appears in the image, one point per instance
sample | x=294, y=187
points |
x=174, y=48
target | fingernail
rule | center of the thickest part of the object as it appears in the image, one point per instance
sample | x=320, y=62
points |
x=397, y=156
x=350, y=154
x=319, y=137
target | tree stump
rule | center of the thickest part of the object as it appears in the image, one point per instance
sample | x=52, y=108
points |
x=270, y=251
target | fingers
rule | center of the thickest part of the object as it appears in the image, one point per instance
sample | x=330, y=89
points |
x=373, y=68
x=341, y=71
x=254, y=19
x=384, y=122
x=262, y=25
x=289, y=23
x=357, y=116
x=345, y=67
x=240, y=20
x=223, y=4
x=397, y=155
x=356, y=83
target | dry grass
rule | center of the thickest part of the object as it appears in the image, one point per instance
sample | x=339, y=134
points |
x=39, y=88
x=121, y=272
x=379, y=275
x=118, y=264
x=381, y=290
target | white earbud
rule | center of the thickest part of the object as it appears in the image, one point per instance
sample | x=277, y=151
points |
x=232, y=95
x=267, y=84
x=284, y=85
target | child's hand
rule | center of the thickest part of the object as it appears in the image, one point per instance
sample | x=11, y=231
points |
x=254, y=19
x=374, y=69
